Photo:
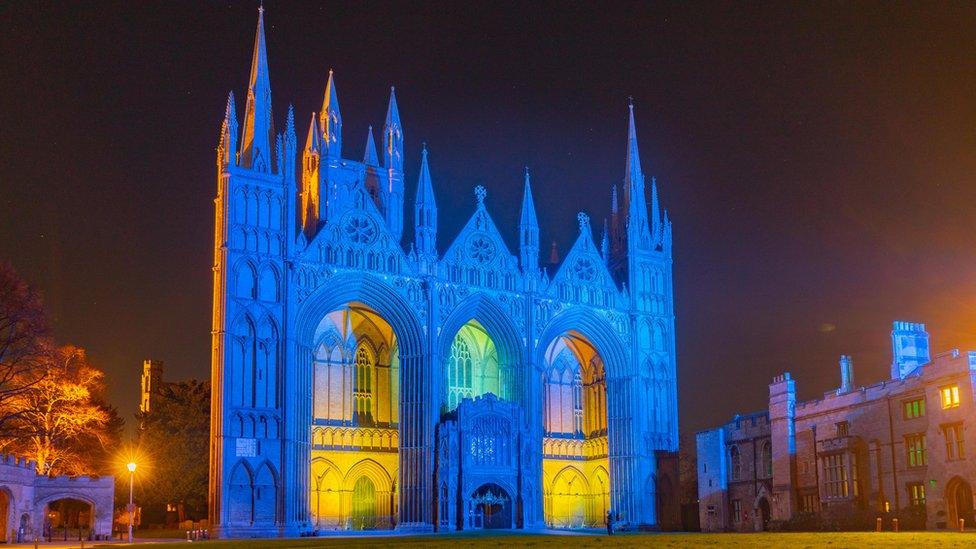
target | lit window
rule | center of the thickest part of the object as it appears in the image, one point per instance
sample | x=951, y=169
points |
x=915, y=446
x=955, y=449
x=950, y=396
x=915, y=408
x=916, y=494
x=736, y=511
x=843, y=428
x=835, y=477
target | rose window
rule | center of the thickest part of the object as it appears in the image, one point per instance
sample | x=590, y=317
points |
x=482, y=249
x=360, y=230
x=584, y=269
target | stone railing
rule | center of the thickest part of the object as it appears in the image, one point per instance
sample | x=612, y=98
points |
x=355, y=438
x=575, y=448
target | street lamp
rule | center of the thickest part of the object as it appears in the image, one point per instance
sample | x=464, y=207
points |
x=131, y=466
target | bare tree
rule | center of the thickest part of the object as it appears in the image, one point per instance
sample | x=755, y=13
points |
x=24, y=345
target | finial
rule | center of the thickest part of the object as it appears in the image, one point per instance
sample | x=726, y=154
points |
x=261, y=7
x=424, y=148
x=584, y=220
x=480, y=193
x=630, y=101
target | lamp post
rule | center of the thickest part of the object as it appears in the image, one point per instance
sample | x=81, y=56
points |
x=132, y=473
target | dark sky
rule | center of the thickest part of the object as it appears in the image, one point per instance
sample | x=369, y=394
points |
x=818, y=160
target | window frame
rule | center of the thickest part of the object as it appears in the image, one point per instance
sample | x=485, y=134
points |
x=949, y=396
x=917, y=412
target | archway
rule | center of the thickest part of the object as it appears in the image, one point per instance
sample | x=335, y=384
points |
x=575, y=446
x=959, y=502
x=364, y=504
x=472, y=368
x=761, y=513
x=67, y=518
x=570, y=495
x=492, y=507
x=355, y=418
x=400, y=439
x=480, y=330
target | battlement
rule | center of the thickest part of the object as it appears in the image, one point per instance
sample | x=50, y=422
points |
x=16, y=461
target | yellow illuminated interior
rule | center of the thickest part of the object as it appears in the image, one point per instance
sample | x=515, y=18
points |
x=354, y=426
x=575, y=462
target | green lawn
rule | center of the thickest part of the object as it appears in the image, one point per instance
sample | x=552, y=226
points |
x=858, y=540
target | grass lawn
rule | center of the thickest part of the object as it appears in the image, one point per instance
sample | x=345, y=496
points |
x=858, y=540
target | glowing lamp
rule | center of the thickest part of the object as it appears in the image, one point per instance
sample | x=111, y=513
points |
x=131, y=467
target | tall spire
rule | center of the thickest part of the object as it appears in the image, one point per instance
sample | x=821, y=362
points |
x=227, y=148
x=258, y=138
x=311, y=206
x=633, y=155
x=425, y=212
x=393, y=136
x=528, y=230
x=638, y=233
x=331, y=119
x=369, y=155
x=393, y=162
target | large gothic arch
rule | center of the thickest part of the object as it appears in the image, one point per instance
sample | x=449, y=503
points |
x=498, y=324
x=415, y=434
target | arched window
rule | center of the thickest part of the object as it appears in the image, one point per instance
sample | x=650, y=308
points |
x=362, y=386
x=767, y=459
x=459, y=383
x=735, y=463
x=364, y=504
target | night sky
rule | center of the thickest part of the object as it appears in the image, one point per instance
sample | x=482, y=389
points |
x=818, y=160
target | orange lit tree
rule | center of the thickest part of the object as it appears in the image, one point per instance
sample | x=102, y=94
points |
x=64, y=422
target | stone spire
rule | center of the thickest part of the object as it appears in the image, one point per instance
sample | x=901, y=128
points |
x=393, y=136
x=425, y=212
x=259, y=135
x=311, y=172
x=227, y=147
x=313, y=143
x=369, y=154
x=393, y=162
x=638, y=234
x=331, y=120
x=528, y=230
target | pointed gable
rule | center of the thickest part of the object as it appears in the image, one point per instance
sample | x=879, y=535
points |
x=479, y=255
x=583, y=276
x=356, y=236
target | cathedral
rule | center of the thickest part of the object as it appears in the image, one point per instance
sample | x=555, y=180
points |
x=364, y=381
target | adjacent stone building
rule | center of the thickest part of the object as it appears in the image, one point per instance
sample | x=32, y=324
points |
x=366, y=380
x=26, y=498
x=900, y=447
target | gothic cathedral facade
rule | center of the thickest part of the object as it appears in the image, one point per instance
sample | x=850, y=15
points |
x=364, y=382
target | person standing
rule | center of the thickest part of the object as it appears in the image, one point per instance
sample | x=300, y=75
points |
x=609, y=523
